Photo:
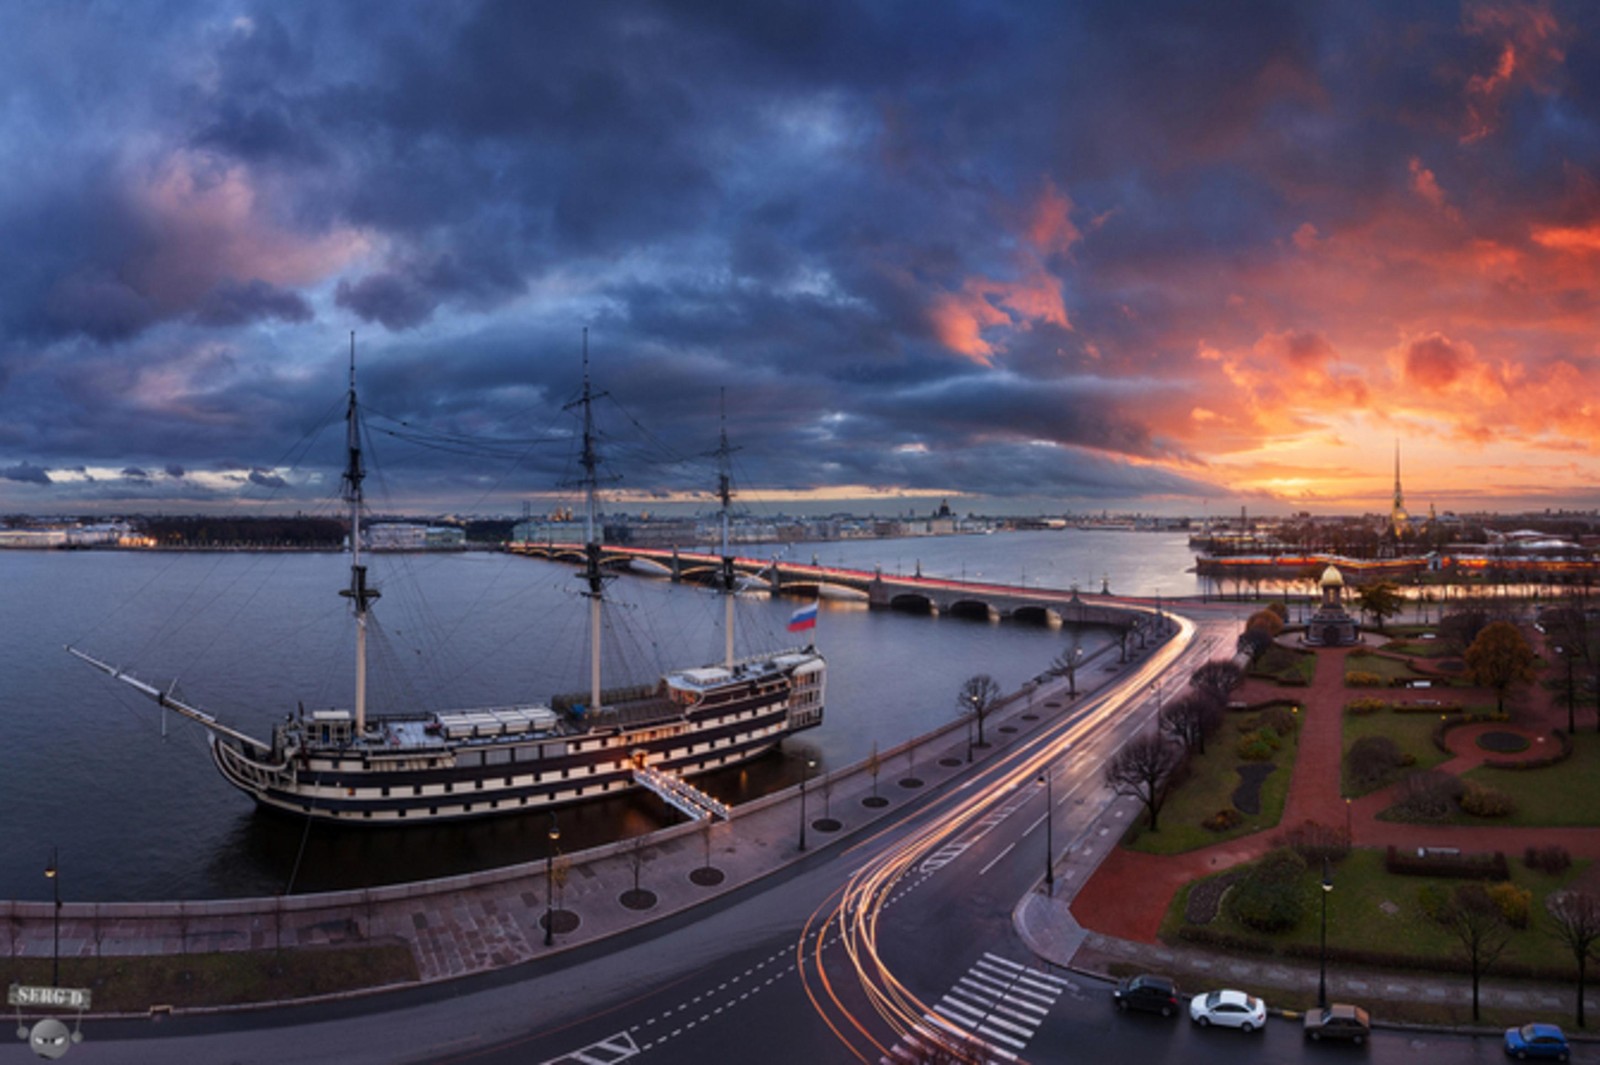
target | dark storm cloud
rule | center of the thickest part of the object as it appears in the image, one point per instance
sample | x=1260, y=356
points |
x=233, y=303
x=266, y=479
x=174, y=471
x=25, y=474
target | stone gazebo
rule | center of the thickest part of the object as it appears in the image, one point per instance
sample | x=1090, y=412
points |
x=1331, y=625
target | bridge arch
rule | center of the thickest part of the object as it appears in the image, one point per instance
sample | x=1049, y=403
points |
x=972, y=609
x=913, y=603
x=1036, y=614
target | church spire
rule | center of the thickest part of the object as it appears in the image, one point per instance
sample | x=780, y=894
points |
x=1399, y=520
x=1399, y=500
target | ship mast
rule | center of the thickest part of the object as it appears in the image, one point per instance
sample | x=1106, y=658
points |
x=724, y=492
x=359, y=594
x=591, y=530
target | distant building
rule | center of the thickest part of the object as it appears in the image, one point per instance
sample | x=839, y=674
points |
x=408, y=536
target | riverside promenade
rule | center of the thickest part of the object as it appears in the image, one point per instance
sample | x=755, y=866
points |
x=473, y=923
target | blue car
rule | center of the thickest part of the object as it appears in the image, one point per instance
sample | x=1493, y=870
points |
x=1537, y=1041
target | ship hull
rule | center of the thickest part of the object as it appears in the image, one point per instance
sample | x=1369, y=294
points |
x=459, y=782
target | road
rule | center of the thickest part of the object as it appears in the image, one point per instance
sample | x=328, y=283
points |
x=861, y=952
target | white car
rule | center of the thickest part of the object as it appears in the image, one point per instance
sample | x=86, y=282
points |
x=1228, y=1009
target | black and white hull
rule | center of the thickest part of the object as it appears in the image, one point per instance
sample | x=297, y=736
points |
x=473, y=764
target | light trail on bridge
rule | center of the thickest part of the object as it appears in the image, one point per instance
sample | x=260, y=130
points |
x=853, y=912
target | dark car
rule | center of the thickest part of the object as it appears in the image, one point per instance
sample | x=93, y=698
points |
x=1537, y=1041
x=1146, y=992
x=1338, y=1021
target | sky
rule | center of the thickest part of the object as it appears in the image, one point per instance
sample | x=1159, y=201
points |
x=1026, y=257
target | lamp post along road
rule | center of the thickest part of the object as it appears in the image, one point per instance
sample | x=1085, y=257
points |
x=1049, y=839
x=52, y=873
x=550, y=884
x=1322, y=955
x=805, y=771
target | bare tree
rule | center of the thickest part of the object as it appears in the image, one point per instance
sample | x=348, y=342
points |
x=1476, y=922
x=636, y=857
x=1568, y=631
x=1577, y=924
x=978, y=695
x=1142, y=769
x=1067, y=662
x=1217, y=679
x=1189, y=719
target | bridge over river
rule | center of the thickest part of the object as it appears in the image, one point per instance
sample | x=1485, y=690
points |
x=1133, y=619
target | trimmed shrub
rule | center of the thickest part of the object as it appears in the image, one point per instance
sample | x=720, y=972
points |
x=1223, y=820
x=1553, y=859
x=1513, y=902
x=1372, y=760
x=1360, y=679
x=1367, y=704
x=1480, y=800
x=1271, y=897
x=1255, y=747
x=1282, y=721
x=1427, y=795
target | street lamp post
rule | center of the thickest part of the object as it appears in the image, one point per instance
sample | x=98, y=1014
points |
x=805, y=771
x=1049, y=839
x=52, y=874
x=1349, y=825
x=550, y=884
x=1322, y=958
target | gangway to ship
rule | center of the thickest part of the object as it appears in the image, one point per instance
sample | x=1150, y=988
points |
x=681, y=795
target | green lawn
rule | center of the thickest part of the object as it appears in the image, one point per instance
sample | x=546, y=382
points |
x=1561, y=795
x=1209, y=788
x=1368, y=909
x=1412, y=733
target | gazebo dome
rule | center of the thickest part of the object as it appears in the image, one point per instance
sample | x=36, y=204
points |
x=1332, y=578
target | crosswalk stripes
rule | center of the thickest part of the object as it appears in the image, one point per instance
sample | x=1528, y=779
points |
x=608, y=1051
x=997, y=1003
x=943, y=856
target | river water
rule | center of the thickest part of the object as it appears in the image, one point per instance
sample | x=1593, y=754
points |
x=138, y=814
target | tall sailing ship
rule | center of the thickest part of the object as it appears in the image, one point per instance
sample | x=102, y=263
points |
x=353, y=767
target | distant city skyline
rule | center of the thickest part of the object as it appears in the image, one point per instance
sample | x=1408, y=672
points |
x=1031, y=259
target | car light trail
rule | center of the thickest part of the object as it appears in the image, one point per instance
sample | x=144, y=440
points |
x=852, y=912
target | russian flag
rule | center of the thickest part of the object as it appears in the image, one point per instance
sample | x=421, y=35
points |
x=803, y=619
